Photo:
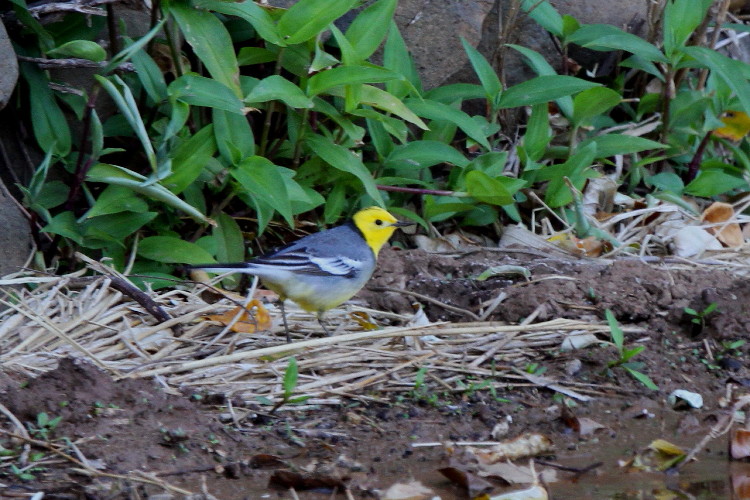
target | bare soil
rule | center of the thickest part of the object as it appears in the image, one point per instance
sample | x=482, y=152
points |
x=204, y=443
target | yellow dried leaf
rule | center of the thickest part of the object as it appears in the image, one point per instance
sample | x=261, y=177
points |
x=246, y=323
x=364, y=320
x=736, y=126
x=729, y=234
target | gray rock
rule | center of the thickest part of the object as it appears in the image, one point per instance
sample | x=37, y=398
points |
x=8, y=67
x=15, y=238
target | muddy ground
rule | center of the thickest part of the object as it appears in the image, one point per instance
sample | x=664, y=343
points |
x=236, y=449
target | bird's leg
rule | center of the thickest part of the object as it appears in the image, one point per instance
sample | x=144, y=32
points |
x=323, y=325
x=283, y=317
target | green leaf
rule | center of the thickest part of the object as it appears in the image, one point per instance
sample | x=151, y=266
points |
x=133, y=48
x=189, y=158
x=495, y=191
x=234, y=137
x=82, y=49
x=342, y=159
x=306, y=18
x=455, y=92
x=485, y=72
x=642, y=378
x=150, y=76
x=712, y=182
x=66, y=225
x=119, y=176
x=542, y=89
x=593, y=102
x=290, y=377
x=434, y=110
x=577, y=169
x=230, y=245
x=541, y=67
x=201, y=91
x=254, y=55
x=618, y=337
x=396, y=57
x=115, y=199
x=173, y=250
x=423, y=154
x=545, y=15
x=369, y=28
x=620, y=144
x=347, y=75
x=104, y=230
x=381, y=99
x=605, y=37
x=123, y=97
x=538, y=133
x=278, y=88
x=251, y=12
x=681, y=18
x=211, y=42
x=261, y=178
x=50, y=126
x=726, y=69
x=666, y=181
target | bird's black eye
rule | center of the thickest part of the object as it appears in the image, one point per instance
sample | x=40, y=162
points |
x=378, y=222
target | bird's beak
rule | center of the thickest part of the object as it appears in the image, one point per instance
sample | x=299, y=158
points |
x=403, y=223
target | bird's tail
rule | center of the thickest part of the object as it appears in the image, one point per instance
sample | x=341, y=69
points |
x=234, y=267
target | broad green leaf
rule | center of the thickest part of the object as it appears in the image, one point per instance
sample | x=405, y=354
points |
x=681, y=18
x=485, y=72
x=593, y=102
x=66, y=225
x=189, y=158
x=713, y=182
x=251, y=12
x=397, y=128
x=618, y=337
x=541, y=67
x=322, y=60
x=538, y=133
x=348, y=54
x=396, y=57
x=347, y=75
x=492, y=163
x=254, y=55
x=492, y=190
x=201, y=91
x=230, y=245
x=369, y=28
x=211, y=42
x=150, y=76
x=342, y=159
x=82, y=49
x=306, y=18
x=234, y=137
x=620, y=144
x=605, y=37
x=50, y=126
x=261, y=178
x=666, y=181
x=355, y=132
x=577, y=169
x=46, y=42
x=171, y=250
x=119, y=176
x=278, y=88
x=545, y=15
x=725, y=68
x=423, y=154
x=434, y=110
x=115, y=199
x=542, y=89
x=114, y=228
x=381, y=99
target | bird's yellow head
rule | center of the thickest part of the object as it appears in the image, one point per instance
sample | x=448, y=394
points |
x=377, y=226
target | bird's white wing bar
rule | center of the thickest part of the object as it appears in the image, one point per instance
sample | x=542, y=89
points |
x=338, y=266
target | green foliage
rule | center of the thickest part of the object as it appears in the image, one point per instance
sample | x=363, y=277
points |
x=625, y=355
x=260, y=116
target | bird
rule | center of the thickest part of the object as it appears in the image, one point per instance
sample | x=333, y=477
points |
x=321, y=270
